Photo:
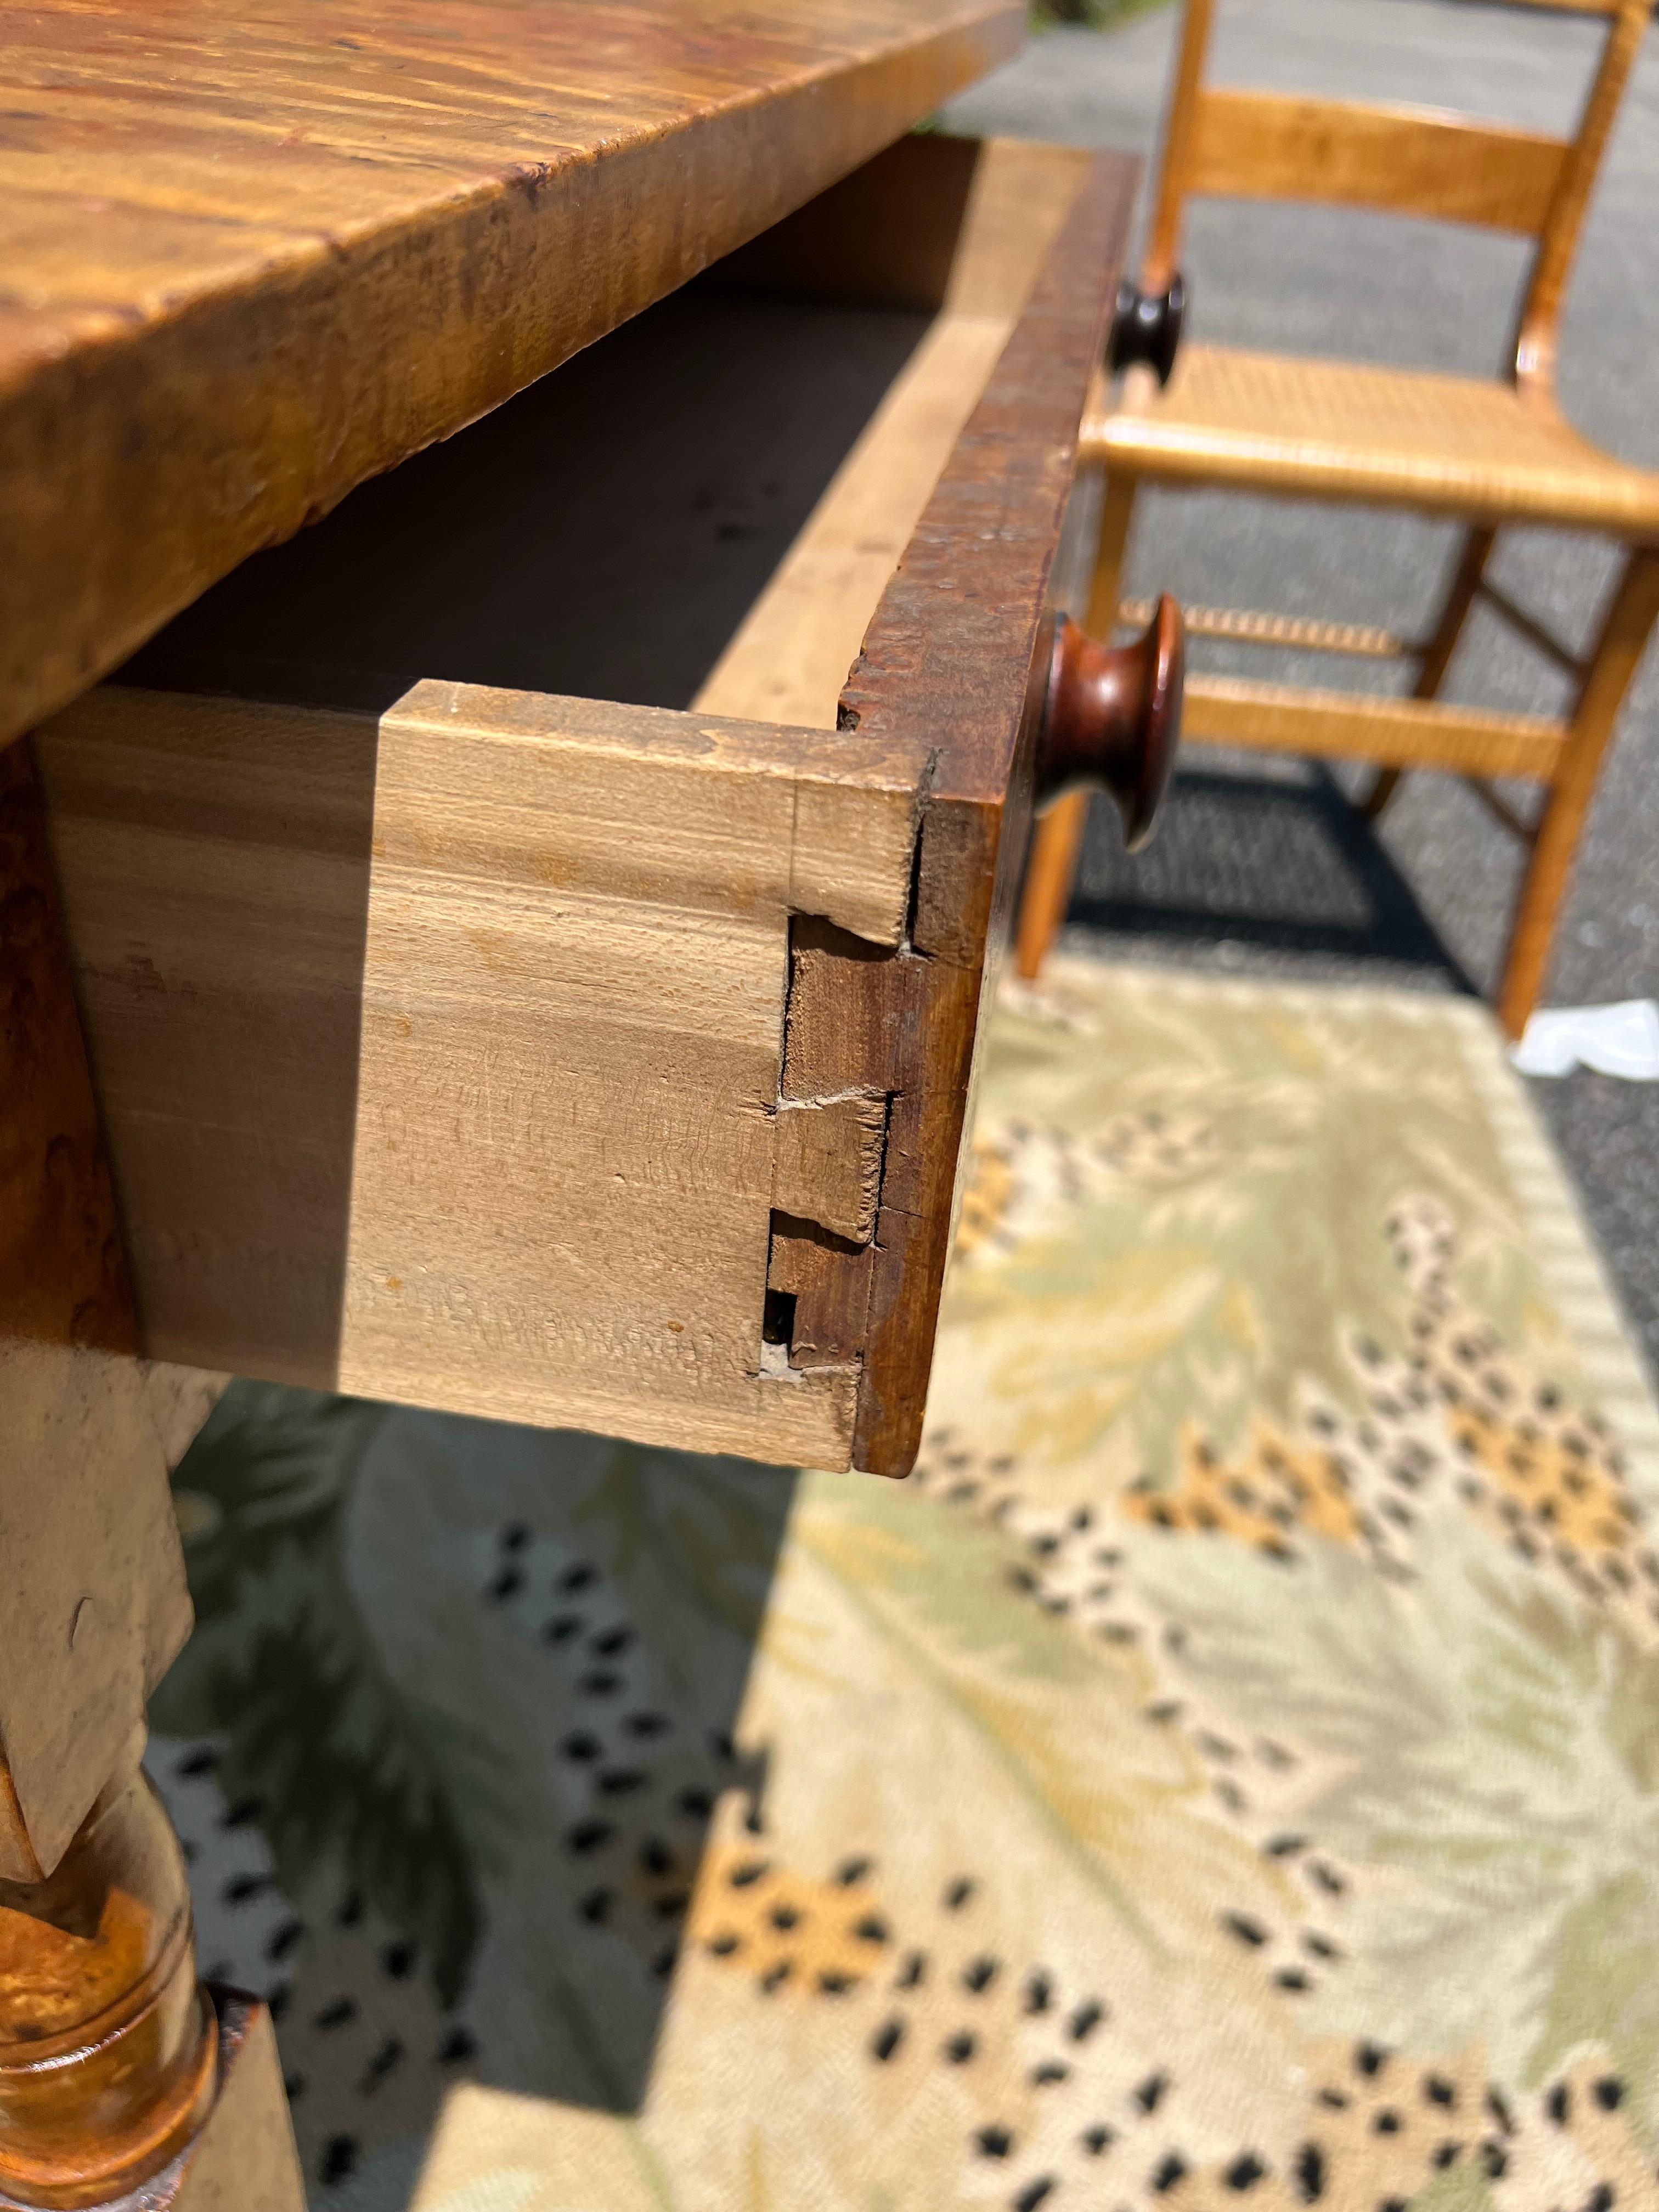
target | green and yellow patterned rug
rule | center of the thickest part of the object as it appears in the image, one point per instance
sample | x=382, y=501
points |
x=1226, y=1775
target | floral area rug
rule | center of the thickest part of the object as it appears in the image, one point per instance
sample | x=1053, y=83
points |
x=1227, y=1774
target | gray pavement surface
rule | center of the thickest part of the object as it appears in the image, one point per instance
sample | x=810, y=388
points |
x=1262, y=862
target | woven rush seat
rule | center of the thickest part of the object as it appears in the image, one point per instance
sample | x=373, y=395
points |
x=1341, y=430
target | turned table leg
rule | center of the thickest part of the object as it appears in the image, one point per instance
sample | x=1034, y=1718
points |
x=118, y=2071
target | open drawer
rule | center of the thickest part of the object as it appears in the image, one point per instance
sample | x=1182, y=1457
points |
x=524, y=971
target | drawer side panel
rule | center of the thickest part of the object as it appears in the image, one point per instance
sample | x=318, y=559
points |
x=441, y=1054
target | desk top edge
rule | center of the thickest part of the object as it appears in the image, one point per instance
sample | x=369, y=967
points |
x=210, y=334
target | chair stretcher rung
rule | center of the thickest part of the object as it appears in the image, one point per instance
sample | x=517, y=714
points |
x=1246, y=627
x=1351, y=725
x=1527, y=626
x=1500, y=810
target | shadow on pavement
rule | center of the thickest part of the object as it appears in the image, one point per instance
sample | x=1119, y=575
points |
x=1280, y=866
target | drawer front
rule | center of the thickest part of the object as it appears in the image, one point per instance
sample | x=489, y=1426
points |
x=955, y=659
x=610, y=1066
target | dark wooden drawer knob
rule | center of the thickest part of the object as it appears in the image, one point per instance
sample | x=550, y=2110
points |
x=1113, y=717
x=1146, y=327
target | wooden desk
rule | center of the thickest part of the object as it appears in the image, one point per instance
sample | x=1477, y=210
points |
x=488, y=951
x=256, y=254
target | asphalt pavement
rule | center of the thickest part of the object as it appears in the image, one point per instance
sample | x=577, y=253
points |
x=1261, y=863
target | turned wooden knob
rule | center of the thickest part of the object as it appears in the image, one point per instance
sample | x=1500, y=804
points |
x=1113, y=717
x=1146, y=327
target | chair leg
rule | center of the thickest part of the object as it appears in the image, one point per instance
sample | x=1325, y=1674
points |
x=1630, y=617
x=1052, y=867
x=1437, y=656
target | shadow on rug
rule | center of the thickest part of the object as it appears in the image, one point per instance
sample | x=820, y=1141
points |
x=1227, y=1773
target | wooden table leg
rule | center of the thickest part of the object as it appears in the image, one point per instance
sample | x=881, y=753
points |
x=109, y=2055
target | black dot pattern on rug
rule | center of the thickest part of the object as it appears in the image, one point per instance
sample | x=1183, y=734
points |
x=387, y=2057
x=284, y=1941
x=634, y=1776
x=637, y=1777
x=949, y=1991
x=1064, y=1569
x=242, y=1887
x=338, y=2161
x=1378, y=2097
x=1309, y=2173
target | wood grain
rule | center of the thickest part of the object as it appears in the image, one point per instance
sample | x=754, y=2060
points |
x=449, y=1070
x=1057, y=838
x=827, y=1161
x=1354, y=726
x=1413, y=162
x=583, y=1138
x=789, y=660
x=1162, y=258
x=1538, y=331
x=62, y=1280
x=1404, y=161
x=258, y=257
x=244, y=2158
x=1484, y=454
x=92, y=1603
x=1609, y=669
x=954, y=660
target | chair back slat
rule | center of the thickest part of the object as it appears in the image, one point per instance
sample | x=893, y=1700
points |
x=1404, y=161
x=1236, y=143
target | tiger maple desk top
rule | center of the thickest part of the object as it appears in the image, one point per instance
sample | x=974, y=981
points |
x=251, y=255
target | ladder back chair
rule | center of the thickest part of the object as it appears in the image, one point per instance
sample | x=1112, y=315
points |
x=1484, y=452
